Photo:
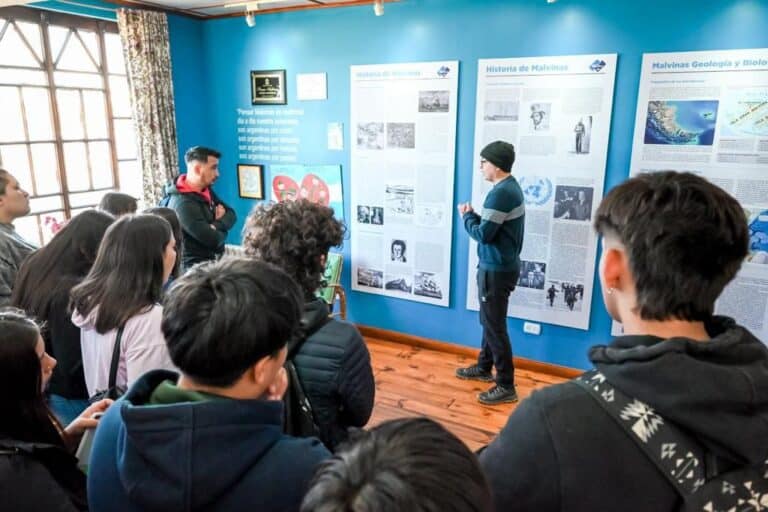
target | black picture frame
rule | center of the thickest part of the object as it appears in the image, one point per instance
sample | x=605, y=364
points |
x=250, y=181
x=268, y=87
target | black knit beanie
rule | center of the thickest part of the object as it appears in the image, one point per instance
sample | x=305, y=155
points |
x=501, y=154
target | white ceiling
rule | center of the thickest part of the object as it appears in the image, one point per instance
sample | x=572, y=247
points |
x=205, y=8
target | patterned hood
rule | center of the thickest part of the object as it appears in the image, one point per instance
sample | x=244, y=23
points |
x=715, y=390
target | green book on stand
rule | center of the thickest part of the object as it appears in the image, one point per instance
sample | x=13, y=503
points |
x=332, y=276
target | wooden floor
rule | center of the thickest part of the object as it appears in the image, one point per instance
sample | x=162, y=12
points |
x=412, y=381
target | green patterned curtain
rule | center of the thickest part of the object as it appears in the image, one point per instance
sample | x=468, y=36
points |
x=144, y=35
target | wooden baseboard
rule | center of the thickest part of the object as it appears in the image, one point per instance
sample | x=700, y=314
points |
x=521, y=363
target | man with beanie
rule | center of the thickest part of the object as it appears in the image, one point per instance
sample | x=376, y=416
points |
x=499, y=236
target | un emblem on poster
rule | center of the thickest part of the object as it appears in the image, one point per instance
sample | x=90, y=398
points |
x=537, y=190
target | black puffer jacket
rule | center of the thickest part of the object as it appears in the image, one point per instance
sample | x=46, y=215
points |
x=335, y=369
x=37, y=476
x=561, y=451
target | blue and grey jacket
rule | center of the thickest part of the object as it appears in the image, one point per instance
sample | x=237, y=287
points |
x=499, y=231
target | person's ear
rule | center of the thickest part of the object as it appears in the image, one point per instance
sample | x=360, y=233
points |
x=323, y=259
x=615, y=267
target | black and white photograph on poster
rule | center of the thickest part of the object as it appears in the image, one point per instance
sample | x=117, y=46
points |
x=501, y=110
x=564, y=295
x=582, y=135
x=399, y=283
x=370, y=136
x=398, y=251
x=399, y=199
x=574, y=203
x=532, y=274
x=370, y=215
x=401, y=135
x=433, y=101
x=370, y=277
x=427, y=285
x=539, y=118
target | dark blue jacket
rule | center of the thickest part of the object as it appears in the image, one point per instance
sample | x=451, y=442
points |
x=499, y=230
x=220, y=455
x=335, y=369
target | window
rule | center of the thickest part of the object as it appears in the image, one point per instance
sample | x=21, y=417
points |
x=67, y=133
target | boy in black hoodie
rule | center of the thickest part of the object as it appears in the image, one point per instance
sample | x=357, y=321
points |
x=671, y=242
x=211, y=438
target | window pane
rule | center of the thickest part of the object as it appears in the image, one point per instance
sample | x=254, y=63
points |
x=91, y=44
x=12, y=126
x=74, y=57
x=121, y=98
x=125, y=139
x=86, y=199
x=13, y=51
x=57, y=36
x=15, y=160
x=70, y=114
x=76, y=166
x=27, y=228
x=101, y=164
x=114, y=49
x=130, y=178
x=33, y=36
x=95, y=114
x=22, y=76
x=89, y=80
x=38, y=110
x=45, y=204
x=44, y=163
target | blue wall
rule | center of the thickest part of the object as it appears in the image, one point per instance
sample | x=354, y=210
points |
x=211, y=61
x=330, y=40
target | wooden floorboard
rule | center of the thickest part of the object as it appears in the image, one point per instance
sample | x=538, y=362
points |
x=412, y=381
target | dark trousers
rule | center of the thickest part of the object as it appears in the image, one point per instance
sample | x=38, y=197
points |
x=493, y=289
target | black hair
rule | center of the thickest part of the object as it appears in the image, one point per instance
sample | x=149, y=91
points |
x=24, y=415
x=169, y=214
x=127, y=276
x=58, y=266
x=221, y=318
x=200, y=154
x=4, y=180
x=118, y=204
x=685, y=238
x=294, y=235
x=410, y=464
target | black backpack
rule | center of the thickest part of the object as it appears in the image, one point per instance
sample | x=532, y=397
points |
x=690, y=469
x=298, y=418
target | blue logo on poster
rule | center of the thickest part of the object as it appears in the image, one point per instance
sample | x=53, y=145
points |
x=443, y=71
x=537, y=191
x=598, y=65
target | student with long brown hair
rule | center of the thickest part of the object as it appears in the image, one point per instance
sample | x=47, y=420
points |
x=37, y=468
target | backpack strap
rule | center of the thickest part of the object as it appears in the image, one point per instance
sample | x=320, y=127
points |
x=115, y=358
x=304, y=333
x=675, y=454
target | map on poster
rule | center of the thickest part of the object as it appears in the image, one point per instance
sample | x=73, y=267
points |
x=557, y=113
x=707, y=113
x=316, y=183
x=403, y=131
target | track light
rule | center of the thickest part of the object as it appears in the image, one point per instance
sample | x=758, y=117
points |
x=250, y=19
x=378, y=7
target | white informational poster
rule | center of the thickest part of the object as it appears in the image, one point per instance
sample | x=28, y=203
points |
x=557, y=113
x=707, y=113
x=403, y=131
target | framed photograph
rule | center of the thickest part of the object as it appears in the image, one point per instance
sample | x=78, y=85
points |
x=250, y=181
x=268, y=87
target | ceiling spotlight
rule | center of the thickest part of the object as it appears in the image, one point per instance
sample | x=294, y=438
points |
x=378, y=7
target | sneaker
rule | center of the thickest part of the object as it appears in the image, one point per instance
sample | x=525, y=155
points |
x=498, y=395
x=474, y=373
